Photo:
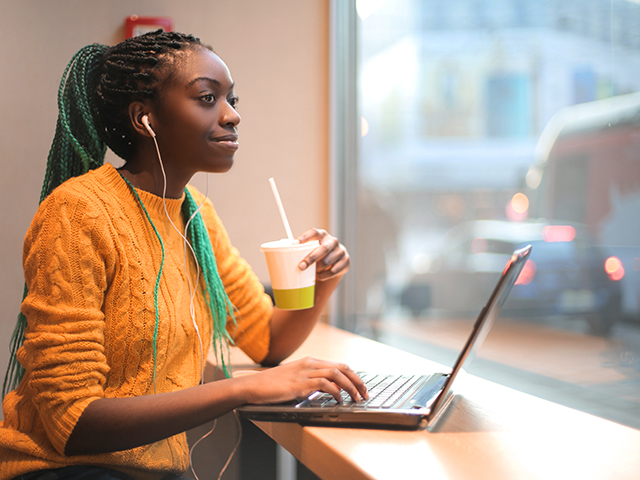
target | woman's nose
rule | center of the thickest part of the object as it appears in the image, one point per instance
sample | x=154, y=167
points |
x=229, y=115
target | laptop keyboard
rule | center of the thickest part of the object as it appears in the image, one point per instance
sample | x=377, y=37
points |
x=384, y=392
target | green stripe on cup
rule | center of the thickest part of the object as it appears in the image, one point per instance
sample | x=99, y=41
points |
x=294, y=298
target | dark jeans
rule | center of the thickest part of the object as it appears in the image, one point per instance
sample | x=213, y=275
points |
x=83, y=472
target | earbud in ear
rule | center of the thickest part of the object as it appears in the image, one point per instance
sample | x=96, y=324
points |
x=145, y=121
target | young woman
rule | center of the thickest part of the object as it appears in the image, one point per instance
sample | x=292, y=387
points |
x=119, y=313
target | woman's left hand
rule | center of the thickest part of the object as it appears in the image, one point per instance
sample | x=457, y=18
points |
x=331, y=257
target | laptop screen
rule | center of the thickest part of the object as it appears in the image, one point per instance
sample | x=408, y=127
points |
x=484, y=322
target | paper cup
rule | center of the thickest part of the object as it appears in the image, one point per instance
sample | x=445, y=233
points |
x=293, y=289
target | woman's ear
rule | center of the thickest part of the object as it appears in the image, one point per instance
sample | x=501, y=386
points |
x=139, y=118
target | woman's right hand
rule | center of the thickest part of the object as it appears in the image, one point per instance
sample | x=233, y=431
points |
x=301, y=378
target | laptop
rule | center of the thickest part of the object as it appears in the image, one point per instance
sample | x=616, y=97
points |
x=396, y=401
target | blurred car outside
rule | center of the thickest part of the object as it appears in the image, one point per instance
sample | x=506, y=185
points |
x=564, y=276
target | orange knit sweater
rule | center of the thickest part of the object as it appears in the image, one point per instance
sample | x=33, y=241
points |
x=91, y=259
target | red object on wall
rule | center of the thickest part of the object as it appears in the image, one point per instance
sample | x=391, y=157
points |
x=135, y=25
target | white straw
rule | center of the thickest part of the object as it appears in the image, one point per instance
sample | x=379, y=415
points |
x=281, y=208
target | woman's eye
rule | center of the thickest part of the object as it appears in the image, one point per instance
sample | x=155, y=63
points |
x=233, y=101
x=208, y=98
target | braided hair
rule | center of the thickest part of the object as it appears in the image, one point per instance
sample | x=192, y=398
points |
x=96, y=89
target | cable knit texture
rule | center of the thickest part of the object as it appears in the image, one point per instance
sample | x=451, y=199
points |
x=91, y=260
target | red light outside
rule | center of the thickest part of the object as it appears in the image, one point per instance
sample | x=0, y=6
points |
x=558, y=233
x=613, y=267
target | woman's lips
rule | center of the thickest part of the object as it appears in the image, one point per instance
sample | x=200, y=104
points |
x=228, y=141
x=228, y=144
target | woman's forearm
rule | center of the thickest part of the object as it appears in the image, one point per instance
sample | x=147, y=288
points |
x=114, y=424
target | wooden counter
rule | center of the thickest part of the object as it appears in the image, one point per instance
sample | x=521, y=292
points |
x=489, y=431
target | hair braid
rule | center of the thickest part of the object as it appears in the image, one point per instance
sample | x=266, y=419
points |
x=76, y=146
x=96, y=90
x=214, y=292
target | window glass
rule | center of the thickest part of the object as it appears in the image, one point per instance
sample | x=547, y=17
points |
x=487, y=125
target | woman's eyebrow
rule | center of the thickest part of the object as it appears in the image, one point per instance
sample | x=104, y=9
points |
x=208, y=79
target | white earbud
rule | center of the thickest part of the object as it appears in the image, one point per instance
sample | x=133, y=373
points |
x=145, y=121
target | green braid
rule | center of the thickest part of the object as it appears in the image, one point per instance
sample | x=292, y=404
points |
x=77, y=146
x=15, y=370
x=215, y=294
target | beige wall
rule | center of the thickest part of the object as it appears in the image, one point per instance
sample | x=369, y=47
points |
x=277, y=51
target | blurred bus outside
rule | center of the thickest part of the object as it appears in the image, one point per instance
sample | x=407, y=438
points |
x=587, y=170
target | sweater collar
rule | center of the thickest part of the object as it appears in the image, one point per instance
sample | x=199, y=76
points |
x=153, y=203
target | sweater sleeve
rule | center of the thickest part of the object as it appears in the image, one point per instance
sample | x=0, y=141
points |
x=64, y=342
x=253, y=306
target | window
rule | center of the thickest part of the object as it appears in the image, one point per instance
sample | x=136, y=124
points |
x=470, y=128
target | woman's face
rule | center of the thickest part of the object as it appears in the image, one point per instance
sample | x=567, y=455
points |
x=194, y=117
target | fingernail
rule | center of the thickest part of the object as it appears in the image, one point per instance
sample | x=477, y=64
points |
x=302, y=265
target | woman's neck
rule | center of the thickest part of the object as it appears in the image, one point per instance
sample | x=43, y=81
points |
x=152, y=180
